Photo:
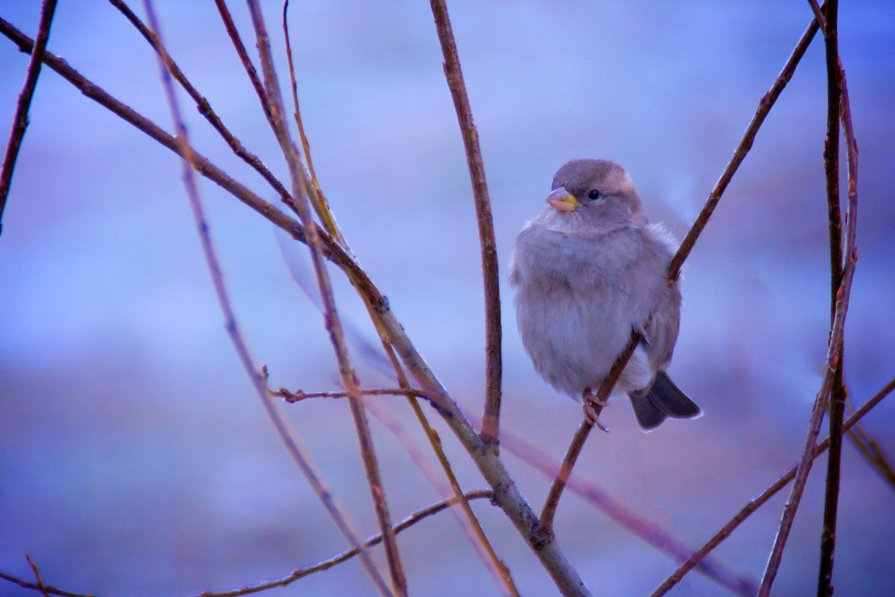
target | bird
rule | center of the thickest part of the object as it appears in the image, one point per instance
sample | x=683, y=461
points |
x=588, y=272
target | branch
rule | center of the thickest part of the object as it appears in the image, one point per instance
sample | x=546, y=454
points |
x=506, y=494
x=374, y=540
x=770, y=492
x=20, y=120
x=332, y=322
x=242, y=349
x=630, y=520
x=299, y=395
x=203, y=105
x=45, y=589
x=835, y=108
x=490, y=272
x=764, y=107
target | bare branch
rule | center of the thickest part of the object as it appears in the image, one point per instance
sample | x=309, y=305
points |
x=204, y=106
x=45, y=589
x=40, y=583
x=630, y=520
x=242, y=349
x=332, y=322
x=490, y=272
x=374, y=540
x=299, y=395
x=20, y=119
x=770, y=492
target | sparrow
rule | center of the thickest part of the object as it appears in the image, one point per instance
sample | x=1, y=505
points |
x=589, y=271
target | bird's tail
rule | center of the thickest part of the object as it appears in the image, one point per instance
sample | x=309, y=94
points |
x=662, y=399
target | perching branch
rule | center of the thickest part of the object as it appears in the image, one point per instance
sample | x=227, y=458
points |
x=347, y=555
x=258, y=381
x=20, y=120
x=674, y=267
x=770, y=492
x=45, y=589
x=490, y=273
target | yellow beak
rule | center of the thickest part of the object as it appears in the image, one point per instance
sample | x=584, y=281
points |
x=561, y=200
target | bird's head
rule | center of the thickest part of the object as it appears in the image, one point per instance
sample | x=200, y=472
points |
x=599, y=193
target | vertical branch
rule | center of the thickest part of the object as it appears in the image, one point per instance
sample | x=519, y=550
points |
x=833, y=378
x=20, y=119
x=490, y=274
x=471, y=524
x=189, y=163
x=332, y=322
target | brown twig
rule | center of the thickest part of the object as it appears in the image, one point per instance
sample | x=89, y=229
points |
x=756, y=503
x=835, y=109
x=204, y=106
x=20, y=119
x=819, y=16
x=39, y=581
x=189, y=163
x=240, y=48
x=871, y=449
x=506, y=494
x=45, y=589
x=630, y=520
x=299, y=395
x=549, y=511
x=332, y=322
x=764, y=107
x=490, y=272
x=347, y=555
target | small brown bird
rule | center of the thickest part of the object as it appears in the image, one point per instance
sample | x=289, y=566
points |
x=588, y=271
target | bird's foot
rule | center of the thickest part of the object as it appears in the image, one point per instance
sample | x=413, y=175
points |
x=592, y=408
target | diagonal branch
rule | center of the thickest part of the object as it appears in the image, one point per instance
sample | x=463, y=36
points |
x=242, y=349
x=674, y=267
x=347, y=555
x=770, y=492
x=331, y=320
x=20, y=120
x=490, y=273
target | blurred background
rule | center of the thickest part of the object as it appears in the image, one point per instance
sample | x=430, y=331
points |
x=135, y=458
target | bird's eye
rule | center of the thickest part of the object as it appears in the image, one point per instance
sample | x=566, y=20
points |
x=594, y=194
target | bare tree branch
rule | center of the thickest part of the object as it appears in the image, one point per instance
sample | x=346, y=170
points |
x=490, y=273
x=300, y=192
x=347, y=555
x=770, y=492
x=20, y=119
x=45, y=589
x=260, y=384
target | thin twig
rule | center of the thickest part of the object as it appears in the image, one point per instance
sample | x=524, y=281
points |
x=299, y=395
x=870, y=448
x=506, y=493
x=836, y=403
x=471, y=526
x=20, y=119
x=204, y=106
x=764, y=107
x=627, y=518
x=756, y=503
x=300, y=192
x=490, y=274
x=39, y=581
x=347, y=555
x=240, y=48
x=819, y=16
x=242, y=349
x=46, y=589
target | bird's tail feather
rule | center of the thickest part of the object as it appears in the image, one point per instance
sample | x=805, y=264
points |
x=662, y=399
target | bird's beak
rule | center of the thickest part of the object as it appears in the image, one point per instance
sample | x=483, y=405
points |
x=561, y=200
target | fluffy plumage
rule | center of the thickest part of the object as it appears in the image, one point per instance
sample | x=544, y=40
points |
x=588, y=270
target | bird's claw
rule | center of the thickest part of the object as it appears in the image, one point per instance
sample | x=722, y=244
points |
x=592, y=408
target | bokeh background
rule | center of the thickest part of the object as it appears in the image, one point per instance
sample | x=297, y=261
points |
x=134, y=457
